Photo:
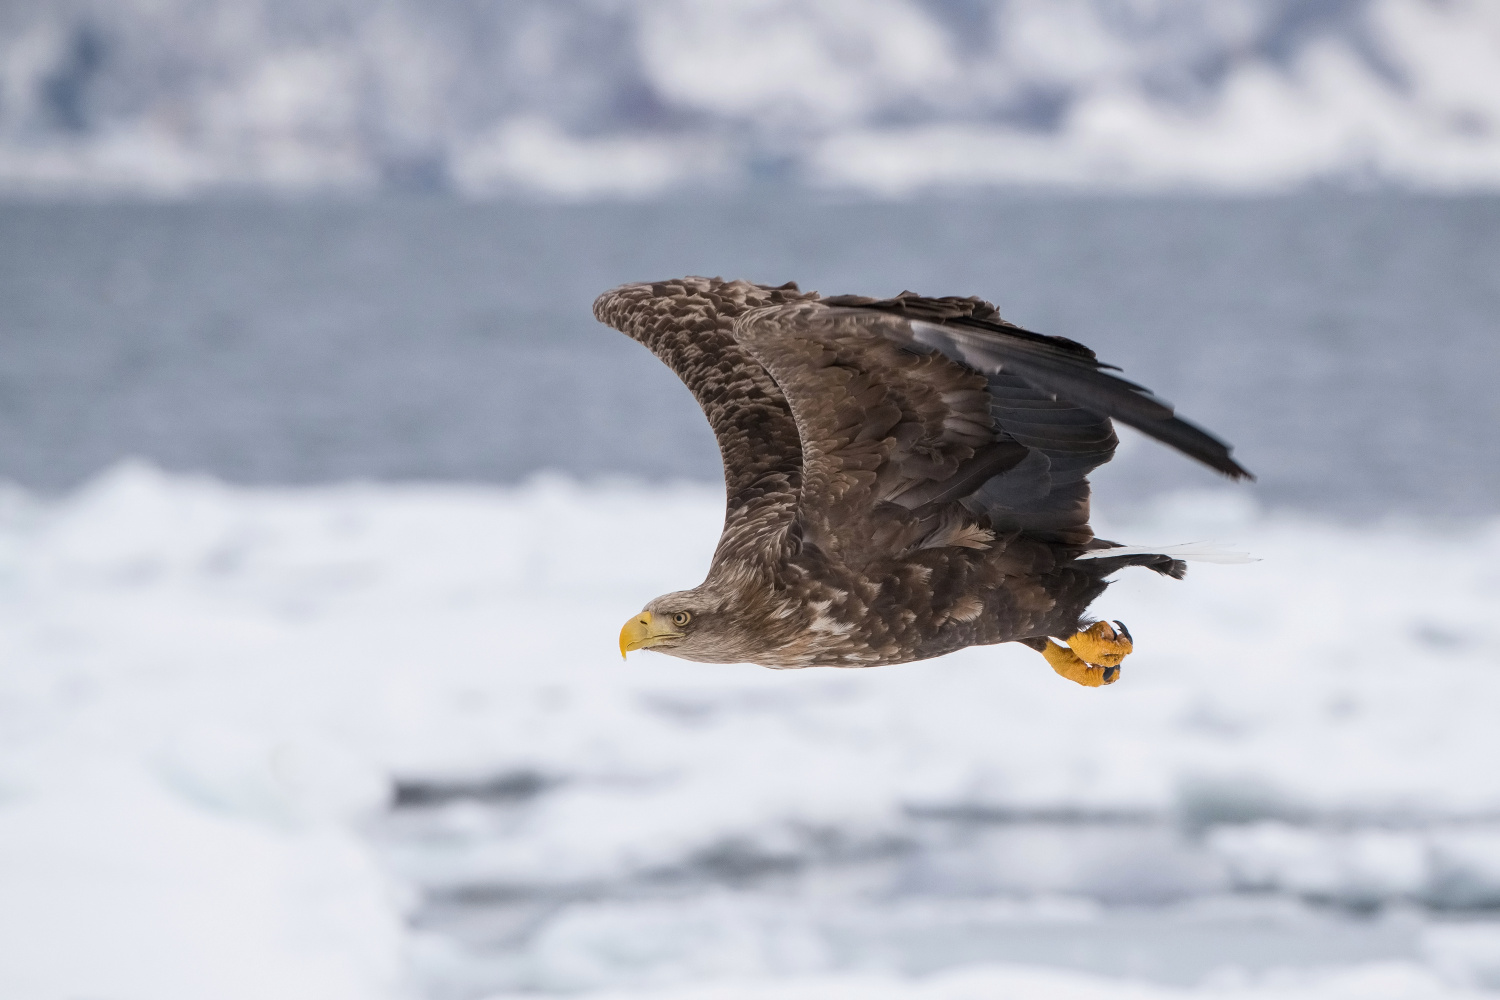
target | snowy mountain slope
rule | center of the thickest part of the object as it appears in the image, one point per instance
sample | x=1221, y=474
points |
x=579, y=98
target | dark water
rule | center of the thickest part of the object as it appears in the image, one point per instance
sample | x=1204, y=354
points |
x=1348, y=346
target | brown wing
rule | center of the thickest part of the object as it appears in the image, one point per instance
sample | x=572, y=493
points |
x=914, y=412
x=971, y=330
x=688, y=324
x=918, y=422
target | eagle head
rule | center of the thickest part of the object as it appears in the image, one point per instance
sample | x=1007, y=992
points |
x=697, y=624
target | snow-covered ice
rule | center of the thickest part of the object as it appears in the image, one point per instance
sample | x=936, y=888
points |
x=210, y=695
x=580, y=99
x=1378, y=982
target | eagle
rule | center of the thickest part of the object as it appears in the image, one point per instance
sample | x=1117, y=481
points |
x=904, y=477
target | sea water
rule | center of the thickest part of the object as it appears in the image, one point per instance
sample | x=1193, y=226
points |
x=1345, y=344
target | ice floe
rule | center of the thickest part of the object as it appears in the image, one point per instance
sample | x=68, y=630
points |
x=211, y=697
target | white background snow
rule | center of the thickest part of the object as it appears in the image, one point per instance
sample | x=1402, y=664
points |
x=207, y=691
x=591, y=98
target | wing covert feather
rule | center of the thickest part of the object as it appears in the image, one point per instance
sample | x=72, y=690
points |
x=688, y=324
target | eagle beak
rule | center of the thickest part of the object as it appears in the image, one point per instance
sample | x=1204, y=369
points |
x=643, y=632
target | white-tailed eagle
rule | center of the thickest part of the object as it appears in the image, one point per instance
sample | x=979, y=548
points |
x=905, y=477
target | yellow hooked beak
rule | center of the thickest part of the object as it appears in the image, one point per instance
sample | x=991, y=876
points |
x=643, y=631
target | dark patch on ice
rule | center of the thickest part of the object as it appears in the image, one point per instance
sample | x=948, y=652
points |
x=978, y=813
x=488, y=894
x=738, y=862
x=741, y=862
x=688, y=711
x=1459, y=884
x=511, y=787
x=1206, y=802
x=1436, y=636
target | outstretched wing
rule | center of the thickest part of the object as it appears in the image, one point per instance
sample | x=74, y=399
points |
x=971, y=330
x=879, y=425
x=913, y=412
x=688, y=324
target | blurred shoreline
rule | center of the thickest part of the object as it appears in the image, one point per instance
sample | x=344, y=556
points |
x=575, y=98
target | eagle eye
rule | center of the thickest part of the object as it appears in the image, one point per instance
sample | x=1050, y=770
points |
x=681, y=618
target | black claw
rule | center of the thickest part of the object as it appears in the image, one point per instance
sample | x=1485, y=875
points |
x=1124, y=631
x=1110, y=673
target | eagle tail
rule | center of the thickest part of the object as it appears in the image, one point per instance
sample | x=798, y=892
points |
x=1207, y=552
x=1168, y=560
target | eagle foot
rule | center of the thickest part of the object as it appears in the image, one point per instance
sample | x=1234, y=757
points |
x=1091, y=657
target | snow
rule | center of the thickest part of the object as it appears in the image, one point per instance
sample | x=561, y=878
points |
x=208, y=691
x=577, y=99
x=1381, y=982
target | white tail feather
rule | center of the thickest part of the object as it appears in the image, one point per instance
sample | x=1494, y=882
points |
x=1188, y=552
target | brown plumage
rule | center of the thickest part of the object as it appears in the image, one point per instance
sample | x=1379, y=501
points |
x=905, y=477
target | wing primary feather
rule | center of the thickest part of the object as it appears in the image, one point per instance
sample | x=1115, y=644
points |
x=1079, y=380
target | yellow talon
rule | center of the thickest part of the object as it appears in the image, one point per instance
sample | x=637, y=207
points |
x=1101, y=645
x=1091, y=657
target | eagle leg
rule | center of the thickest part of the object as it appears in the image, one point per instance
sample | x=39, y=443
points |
x=1093, y=656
